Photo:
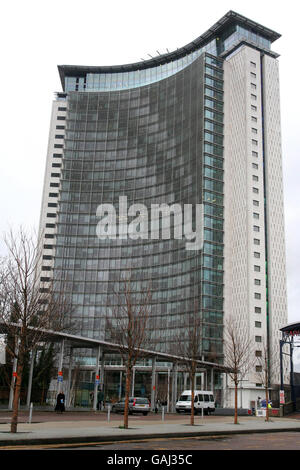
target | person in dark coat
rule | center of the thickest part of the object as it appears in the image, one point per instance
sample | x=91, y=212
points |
x=100, y=399
x=60, y=402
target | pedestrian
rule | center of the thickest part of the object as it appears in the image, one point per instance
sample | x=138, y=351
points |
x=60, y=402
x=258, y=402
x=100, y=400
x=157, y=405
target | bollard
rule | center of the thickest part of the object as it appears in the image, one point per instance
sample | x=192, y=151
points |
x=30, y=413
x=163, y=413
x=108, y=413
x=202, y=412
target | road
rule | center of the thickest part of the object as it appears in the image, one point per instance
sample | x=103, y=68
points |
x=266, y=441
x=271, y=441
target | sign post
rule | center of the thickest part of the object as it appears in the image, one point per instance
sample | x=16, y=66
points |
x=30, y=413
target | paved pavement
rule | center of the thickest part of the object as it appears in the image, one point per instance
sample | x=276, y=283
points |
x=52, y=428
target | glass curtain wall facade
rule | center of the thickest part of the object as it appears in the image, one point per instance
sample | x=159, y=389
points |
x=160, y=143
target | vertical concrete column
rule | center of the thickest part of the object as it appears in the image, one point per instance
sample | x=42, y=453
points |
x=220, y=397
x=202, y=381
x=120, y=385
x=153, y=391
x=69, y=383
x=185, y=377
x=30, y=378
x=225, y=403
x=102, y=372
x=168, y=392
x=13, y=379
x=202, y=376
x=281, y=364
x=293, y=397
x=60, y=366
x=133, y=380
x=176, y=381
x=97, y=381
x=174, y=386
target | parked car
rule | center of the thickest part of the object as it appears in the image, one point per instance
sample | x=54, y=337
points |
x=136, y=405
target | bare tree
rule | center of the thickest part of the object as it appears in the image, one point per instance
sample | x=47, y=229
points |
x=27, y=307
x=188, y=346
x=127, y=328
x=238, y=354
x=262, y=371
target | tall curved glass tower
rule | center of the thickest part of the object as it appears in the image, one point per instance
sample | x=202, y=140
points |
x=200, y=125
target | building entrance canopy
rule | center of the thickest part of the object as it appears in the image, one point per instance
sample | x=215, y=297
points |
x=105, y=348
x=292, y=329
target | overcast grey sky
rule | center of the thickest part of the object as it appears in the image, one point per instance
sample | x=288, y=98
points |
x=38, y=35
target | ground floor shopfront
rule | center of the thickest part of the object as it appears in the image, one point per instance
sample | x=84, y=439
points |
x=162, y=385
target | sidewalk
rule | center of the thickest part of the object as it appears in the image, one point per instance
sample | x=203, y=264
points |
x=65, y=431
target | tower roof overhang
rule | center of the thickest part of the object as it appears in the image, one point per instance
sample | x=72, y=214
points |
x=216, y=30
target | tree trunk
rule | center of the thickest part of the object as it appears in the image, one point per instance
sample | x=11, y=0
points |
x=192, y=399
x=266, y=386
x=127, y=395
x=17, y=393
x=235, y=403
x=42, y=395
x=267, y=403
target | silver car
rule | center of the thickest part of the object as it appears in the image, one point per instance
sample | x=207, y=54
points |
x=136, y=405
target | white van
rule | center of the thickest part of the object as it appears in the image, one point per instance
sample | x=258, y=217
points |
x=202, y=399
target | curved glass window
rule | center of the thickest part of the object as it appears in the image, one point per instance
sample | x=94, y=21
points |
x=137, y=78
